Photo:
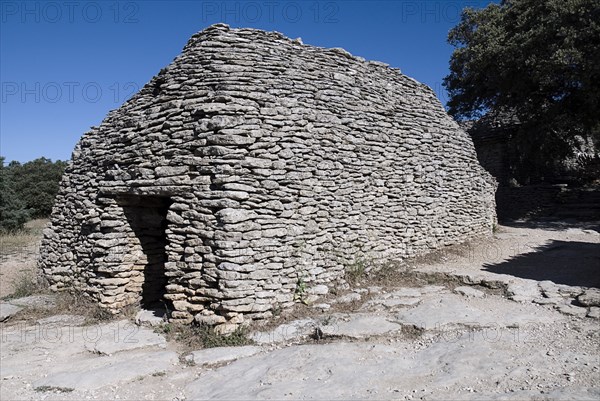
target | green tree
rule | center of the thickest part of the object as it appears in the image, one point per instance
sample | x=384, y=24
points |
x=538, y=60
x=13, y=213
x=36, y=183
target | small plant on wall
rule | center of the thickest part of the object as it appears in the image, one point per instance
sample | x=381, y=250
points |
x=356, y=270
x=300, y=294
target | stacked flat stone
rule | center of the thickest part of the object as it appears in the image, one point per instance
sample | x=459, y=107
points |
x=275, y=163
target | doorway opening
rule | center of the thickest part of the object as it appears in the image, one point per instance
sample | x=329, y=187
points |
x=147, y=217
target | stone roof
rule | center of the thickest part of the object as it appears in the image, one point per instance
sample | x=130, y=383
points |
x=492, y=127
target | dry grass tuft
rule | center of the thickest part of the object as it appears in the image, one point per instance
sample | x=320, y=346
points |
x=194, y=336
x=18, y=241
x=356, y=271
x=25, y=284
x=79, y=303
x=53, y=389
x=18, y=251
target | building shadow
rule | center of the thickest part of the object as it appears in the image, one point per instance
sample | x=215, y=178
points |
x=552, y=224
x=563, y=262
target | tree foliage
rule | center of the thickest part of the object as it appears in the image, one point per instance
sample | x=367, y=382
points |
x=538, y=60
x=13, y=213
x=27, y=190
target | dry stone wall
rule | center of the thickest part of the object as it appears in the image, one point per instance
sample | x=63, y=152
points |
x=252, y=163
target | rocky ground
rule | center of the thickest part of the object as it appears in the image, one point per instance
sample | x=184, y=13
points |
x=510, y=318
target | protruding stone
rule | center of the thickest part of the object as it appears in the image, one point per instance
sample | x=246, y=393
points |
x=146, y=317
x=469, y=292
x=590, y=297
x=348, y=298
x=572, y=310
x=233, y=216
x=211, y=320
x=594, y=312
x=319, y=290
x=8, y=310
x=215, y=356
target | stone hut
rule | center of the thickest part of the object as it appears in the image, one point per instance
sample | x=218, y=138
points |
x=252, y=167
x=492, y=147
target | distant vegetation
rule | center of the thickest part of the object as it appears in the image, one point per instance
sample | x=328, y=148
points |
x=27, y=190
x=537, y=61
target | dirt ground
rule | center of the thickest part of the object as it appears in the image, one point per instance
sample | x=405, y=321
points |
x=18, y=255
x=512, y=317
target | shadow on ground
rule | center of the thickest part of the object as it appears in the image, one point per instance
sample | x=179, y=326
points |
x=552, y=224
x=563, y=262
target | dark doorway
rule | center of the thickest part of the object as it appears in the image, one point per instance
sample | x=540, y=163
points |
x=147, y=216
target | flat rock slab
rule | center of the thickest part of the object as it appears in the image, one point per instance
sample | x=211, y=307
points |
x=570, y=290
x=524, y=291
x=432, y=289
x=395, y=302
x=572, y=310
x=151, y=317
x=391, y=303
x=302, y=372
x=454, y=310
x=555, y=300
x=435, y=313
x=36, y=301
x=103, y=371
x=548, y=288
x=469, y=292
x=123, y=336
x=594, y=312
x=590, y=297
x=404, y=292
x=66, y=320
x=214, y=356
x=367, y=371
x=293, y=331
x=359, y=326
x=8, y=310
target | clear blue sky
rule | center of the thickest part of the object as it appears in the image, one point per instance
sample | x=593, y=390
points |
x=65, y=64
